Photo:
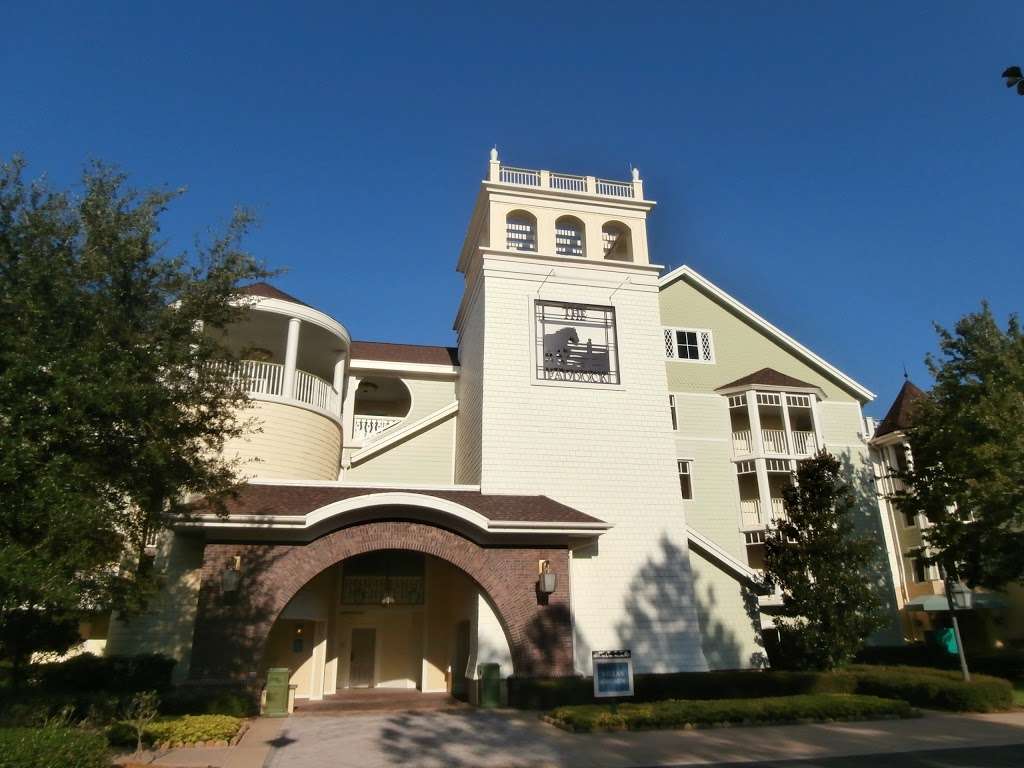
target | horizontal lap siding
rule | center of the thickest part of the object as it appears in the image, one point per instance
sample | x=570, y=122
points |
x=294, y=444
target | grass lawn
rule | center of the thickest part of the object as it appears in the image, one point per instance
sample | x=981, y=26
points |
x=703, y=713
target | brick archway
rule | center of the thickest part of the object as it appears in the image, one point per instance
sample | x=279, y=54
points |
x=231, y=629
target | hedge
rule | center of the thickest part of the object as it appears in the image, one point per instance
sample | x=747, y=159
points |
x=204, y=701
x=931, y=688
x=52, y=748
x=1008, y=663
x=545, y=693
x=111, y=674
x=676, y=713
x=189, y=729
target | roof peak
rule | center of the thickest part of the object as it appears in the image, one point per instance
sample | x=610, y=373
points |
x=900, y=415
x=265, y=290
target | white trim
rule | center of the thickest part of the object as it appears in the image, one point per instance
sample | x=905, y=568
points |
x=397, y=435
x=384, y=486
x=764, y=325
x=701, y=333
x=705, y=544
x=363, y=365
x=347, y=507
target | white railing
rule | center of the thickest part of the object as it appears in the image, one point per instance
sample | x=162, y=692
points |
x=522, y=176
x=774, y=440
x=315, y=391
x=364, y=427
x=804, y=443
x=614, y=188
x=741, y=442
x=259, y=378
x=568, y=183
x=750, y=513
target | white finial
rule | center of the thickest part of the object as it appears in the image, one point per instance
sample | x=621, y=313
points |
x=494, y=154
x=636, y=173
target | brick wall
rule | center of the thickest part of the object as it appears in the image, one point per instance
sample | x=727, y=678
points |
x=231, y=629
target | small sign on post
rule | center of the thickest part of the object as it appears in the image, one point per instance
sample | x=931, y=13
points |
x=613, y=673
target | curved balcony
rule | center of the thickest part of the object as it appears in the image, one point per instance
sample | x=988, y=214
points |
x=266, y=381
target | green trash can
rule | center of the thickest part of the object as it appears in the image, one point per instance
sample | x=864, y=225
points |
x=490, y=685
x=276, y=704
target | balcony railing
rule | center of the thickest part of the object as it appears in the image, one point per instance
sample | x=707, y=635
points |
x=804, y=443
x=774, y=441
x=259, y=378
x=742, y=443
x=366, y=427
x=750, y=512
x=567, y=182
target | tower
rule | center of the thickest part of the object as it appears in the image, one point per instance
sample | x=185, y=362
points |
x=563, y=392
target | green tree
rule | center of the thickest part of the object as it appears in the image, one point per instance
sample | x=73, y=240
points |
x=967, y=449
x=820, y=563
x=1014, y=79
x=113, y=407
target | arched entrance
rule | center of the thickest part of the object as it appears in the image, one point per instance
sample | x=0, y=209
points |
x=390, y=619
x=233, y=626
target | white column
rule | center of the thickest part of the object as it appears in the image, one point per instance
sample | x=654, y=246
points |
x=348, y=408
x=785, y=423
x=764, y=493
x=291, y=355
x=494, y=166
x=816, y=421
x=339, y=382
x=319, y=661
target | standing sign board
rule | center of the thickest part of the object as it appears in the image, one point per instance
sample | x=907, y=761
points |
x=613, y=673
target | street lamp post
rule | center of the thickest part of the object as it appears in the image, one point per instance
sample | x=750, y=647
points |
x=960, y=597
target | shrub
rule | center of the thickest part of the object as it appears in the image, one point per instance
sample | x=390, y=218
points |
x=52, y=748
x=35, y=708
x=676, y=713
x=187, y=729
x=204, y=701
x=1008, y=663
x=545, y=693
x=112, y=674
x=922, y=687
x=934, y=688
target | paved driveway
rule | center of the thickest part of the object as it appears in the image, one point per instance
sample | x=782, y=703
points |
x=491, y=738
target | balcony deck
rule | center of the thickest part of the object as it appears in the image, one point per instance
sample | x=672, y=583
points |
x=266, y=381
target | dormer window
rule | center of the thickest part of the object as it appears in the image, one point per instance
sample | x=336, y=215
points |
x=521, y=232
x=569, y=237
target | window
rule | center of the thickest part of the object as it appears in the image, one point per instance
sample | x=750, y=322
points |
x=777, y=465
x=569, y=237
x=922, y=572
x=745, y=468
x=520, y=232
x=685, y=480
x=691, y=344
x=672, y=410
x=909, y=519
x=737, y=401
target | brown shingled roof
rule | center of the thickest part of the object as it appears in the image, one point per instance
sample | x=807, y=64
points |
x=267, y=291
x=404, y=353
x=769, y=377
x=259, y=499
x=900, y=414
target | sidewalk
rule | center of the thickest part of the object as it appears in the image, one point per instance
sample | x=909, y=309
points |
x=510, y=738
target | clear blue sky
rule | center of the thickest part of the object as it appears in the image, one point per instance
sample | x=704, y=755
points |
x=852, y=171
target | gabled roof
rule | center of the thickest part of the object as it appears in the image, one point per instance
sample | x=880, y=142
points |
x=767, y=328
x=404, y=353
x=899, y=417
x=768, y=377
x=267, y=291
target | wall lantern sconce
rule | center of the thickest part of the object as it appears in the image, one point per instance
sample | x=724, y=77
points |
x=230, y=576
x=548, y=580
x=388, y=600
x=961, y=596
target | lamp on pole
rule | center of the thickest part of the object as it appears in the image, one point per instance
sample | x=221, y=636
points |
x=959, y=597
